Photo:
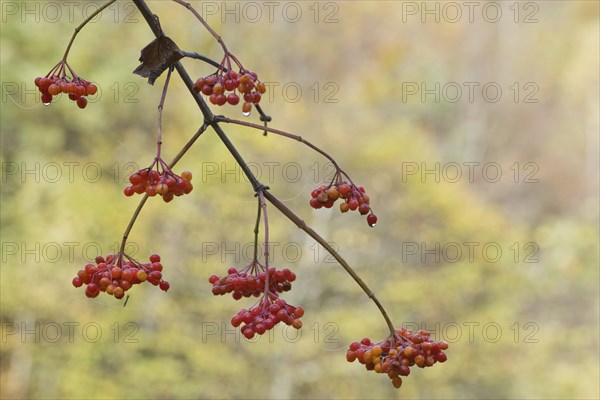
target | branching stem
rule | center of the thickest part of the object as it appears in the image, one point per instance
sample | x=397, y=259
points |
x=260, y=189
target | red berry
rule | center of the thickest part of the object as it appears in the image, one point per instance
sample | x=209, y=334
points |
x=248, y=333
x=372, y=220
x=54, y=89
x=129, y=191
x=233, y=99
x=46, y=99
x=82, y=102
x=344, y=189
x=363, y=209
x=91, y=89
x=353, y=204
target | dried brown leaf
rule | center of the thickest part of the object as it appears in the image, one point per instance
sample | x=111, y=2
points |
x=156, y=57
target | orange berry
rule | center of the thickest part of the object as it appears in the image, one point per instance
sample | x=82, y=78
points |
x=162, y=189
x=187, y=175
x=333, y=194
x=142, y=275
x=247, y=107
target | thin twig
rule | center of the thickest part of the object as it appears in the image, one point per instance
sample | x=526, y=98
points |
x=263, y=205
x=145, y=198
x=310, y=232
x=161, y=105
x=288, y=135
x=84, y=23
x=256, y=226
x=208, y=28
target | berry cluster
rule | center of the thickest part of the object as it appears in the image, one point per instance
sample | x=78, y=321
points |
x=246, y=284
x=395, y=355
x=253, y=281
x=159, y=181
x=115, y=275
x=354, y=198
x=268, y=313
x=217, y=85
x=57, y=81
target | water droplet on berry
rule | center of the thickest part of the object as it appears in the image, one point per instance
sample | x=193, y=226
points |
x=372, y=225
x=371, y=220
x=47, y=104
x=246, y=114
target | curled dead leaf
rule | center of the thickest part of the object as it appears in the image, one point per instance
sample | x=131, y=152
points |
x=156, y=57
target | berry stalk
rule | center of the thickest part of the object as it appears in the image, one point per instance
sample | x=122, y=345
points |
x=263, y=205
x=208, y=28
x=161, y=105
x=137, y=211
x=84, y=23
x=255, y=260
x=287, y=135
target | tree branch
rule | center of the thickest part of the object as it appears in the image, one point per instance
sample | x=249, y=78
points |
x=213, y=121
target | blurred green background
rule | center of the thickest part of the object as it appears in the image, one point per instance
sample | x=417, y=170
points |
x=495, y=249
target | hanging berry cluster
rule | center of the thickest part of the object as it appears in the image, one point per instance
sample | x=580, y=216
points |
x=251, y=281
x=354, y=198
x=217, y=86
x=57, y=81
x=395, y=355
x=161, y=181
x=116, y=274
x=248, y=282
x=270, y=311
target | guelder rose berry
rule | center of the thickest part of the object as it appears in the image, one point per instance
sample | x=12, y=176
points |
x=354, y=198
x=231, y=87
x=159, y=181
x=251, y=281
x=116, y=274
x=57, y=82
x=395, y=355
